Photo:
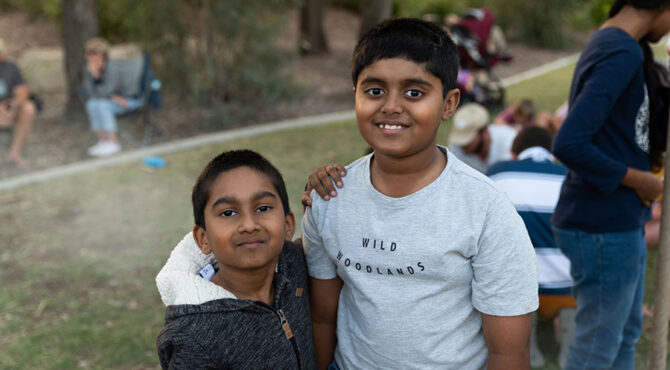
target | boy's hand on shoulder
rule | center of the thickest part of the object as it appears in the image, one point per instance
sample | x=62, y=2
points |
x=321, y=180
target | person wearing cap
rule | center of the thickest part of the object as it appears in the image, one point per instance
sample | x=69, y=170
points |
x=477, y=142
x=107, y=95
x=16, y=109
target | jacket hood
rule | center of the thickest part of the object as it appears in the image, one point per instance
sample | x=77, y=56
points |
x=179, y=282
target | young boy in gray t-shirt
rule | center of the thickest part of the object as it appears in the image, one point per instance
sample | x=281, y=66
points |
x=419, y=262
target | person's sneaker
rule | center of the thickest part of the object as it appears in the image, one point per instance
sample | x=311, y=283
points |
x=95, y=147
x=106, y=149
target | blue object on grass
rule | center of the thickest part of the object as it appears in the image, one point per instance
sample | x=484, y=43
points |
x=157, y=162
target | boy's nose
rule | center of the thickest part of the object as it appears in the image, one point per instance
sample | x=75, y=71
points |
x=392, y=104
x=248, y=223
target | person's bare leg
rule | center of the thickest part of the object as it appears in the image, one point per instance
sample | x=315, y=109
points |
x=24, y=124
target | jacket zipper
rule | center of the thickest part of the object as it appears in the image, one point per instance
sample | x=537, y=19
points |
x=289, y=334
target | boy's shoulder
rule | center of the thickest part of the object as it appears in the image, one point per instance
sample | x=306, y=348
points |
x=465, y=177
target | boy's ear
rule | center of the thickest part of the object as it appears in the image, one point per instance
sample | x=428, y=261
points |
x=290, y=227
x=451, y=103
x=201, y=239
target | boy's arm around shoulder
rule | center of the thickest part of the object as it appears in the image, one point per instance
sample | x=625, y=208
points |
x=178, y=350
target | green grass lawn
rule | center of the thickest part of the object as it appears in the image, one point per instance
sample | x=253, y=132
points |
x=78, y=255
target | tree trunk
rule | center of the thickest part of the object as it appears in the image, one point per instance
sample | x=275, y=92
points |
x=79, y=23
x=373, y=12
x=659, y=337
x=312, y=35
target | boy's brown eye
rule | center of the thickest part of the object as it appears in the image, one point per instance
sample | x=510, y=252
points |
x=375, y=91
x=263, y=209
x=414, y=93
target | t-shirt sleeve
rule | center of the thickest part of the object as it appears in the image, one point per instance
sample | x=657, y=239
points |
x=505, y=267
x=319, y=264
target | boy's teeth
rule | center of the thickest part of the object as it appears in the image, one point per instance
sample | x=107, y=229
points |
x=391, y=127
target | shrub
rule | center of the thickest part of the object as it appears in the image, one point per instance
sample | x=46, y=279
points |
x=539, y=23
x=221, y=52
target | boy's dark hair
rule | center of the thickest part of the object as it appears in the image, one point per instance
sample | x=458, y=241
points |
x=413, y=39
x=530, y=137
x=227, y=161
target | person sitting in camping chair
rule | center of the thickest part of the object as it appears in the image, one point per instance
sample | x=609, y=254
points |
x=107, y=93
x=17, y=110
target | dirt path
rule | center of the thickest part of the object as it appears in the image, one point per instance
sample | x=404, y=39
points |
x=55, y=142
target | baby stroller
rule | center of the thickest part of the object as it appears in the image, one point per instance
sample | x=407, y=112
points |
x=481, y=45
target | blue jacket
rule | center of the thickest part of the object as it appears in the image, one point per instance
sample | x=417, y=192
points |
x=605, y=132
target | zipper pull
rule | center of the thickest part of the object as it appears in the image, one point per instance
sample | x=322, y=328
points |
x=284, y=324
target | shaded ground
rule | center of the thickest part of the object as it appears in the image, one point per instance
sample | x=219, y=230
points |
x=55, y=142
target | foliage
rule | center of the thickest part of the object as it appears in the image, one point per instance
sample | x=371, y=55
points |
x=221, y=52
x=215, y=53
x=34, y=8
x=418, y=8
x=412, y=8
x=353, y=5
x=591, y=13
x=536, y=22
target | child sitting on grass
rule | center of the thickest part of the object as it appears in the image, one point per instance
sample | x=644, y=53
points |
x=248, y=308
x=419, y=261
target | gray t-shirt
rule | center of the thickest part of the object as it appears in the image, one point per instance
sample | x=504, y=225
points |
x=418, y=270
x=10, y=77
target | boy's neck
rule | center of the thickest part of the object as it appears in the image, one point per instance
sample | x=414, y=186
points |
x=255, y=285
x=399, y=177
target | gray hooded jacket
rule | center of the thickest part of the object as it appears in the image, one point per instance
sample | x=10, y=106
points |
x=206, y=327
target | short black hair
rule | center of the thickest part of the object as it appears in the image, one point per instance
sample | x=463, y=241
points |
x=530, y=137
x=416, y=40
x=227, y=161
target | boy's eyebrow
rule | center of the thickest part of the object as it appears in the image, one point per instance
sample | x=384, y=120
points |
x=263, y=194
x=419, y=81
x=255, y=196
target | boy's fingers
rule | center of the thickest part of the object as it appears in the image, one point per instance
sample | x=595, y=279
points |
x=316, y=183
x=335, y=172
x=326, y=182
x=305, y=199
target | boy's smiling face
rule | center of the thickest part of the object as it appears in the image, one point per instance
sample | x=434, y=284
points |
x=399, y=107
x=245, y=221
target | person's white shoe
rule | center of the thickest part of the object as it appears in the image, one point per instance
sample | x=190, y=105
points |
x=95, y=147
x=106, y=149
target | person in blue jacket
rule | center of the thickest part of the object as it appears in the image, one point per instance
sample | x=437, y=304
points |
x=612, y=138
